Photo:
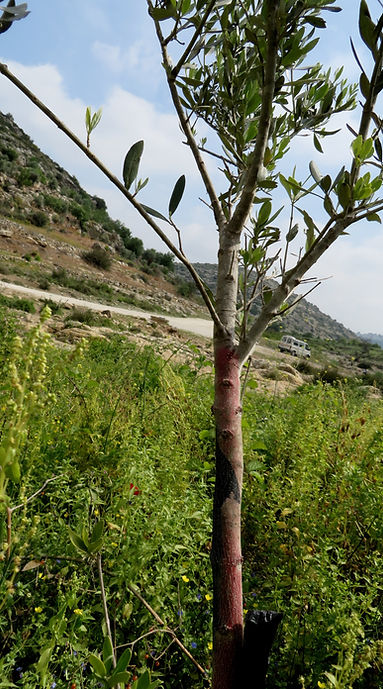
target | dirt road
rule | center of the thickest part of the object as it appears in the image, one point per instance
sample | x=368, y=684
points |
x=197, y=326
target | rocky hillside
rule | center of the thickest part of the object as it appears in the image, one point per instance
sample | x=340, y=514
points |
x=304, y=319
x=54, y=235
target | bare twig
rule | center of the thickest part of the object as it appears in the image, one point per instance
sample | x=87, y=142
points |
x=294, y=303
x=246, y=378
x=166, y=629
x=10, y=511
x=34, y=495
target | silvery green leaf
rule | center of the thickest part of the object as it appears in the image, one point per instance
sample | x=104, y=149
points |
x=315, y=171
x=177, y=195
x=131, y=163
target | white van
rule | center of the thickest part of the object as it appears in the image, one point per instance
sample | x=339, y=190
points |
x=295, y=347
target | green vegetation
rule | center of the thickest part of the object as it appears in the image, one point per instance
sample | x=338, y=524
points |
x=18, y=303
x=39, y=218
x=99, y=257
x=90, y=287
x=91, y=318
x=112, y=464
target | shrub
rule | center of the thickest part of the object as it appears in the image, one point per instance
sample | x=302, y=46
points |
x=44, y=283
x=9, y=153
x=328, y=374
x=54, y=306
x=81, y=214
x=56, y=204
x=27, y=177
x=186, y=289
x=39, y=218
x=21, y=304
x=304, y=366
x=98, y=257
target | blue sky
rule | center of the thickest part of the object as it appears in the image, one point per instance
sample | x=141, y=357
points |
x=105, y=55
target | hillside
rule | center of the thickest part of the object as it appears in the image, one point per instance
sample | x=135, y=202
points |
x=54, y=235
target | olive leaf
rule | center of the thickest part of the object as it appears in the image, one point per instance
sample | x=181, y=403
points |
x=132, y=163
x=177, y=194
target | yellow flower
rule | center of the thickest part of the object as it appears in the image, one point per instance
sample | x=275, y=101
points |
x=96, y=512
x=38, y=609
x=210, y=646
x=185, y=578
x=321, y=685
x=77, y=611
x=40, y=575
x=208, y=596
x=244, y=611
x=114, y=544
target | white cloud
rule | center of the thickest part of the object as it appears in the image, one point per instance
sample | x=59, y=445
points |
x=140, y=56
x=353, y=292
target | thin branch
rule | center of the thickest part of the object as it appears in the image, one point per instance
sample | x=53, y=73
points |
x=6, y=72
x=166, y=629
x=34, y=495
x=193, y=40
x=243, y=208
x=246, y=378
x=294, y=303
x=186, y=128
x=105, y=606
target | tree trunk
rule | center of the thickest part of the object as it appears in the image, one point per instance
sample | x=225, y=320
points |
x=226, y=554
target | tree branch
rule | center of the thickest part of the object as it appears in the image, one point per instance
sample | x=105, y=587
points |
x=193, y=40
x=291, y=280
x=7, y=73
x=244, y=205
x=186, y=128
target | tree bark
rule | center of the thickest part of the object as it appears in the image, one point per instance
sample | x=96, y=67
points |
x=226, y=557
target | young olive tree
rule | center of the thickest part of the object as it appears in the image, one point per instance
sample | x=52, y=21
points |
x=239, y=66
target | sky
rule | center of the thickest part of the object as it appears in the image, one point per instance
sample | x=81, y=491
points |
x=104, y=54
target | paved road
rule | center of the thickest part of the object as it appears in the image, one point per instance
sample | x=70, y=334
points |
x=197, y=326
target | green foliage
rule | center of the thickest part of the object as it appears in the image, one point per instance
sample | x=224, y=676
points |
x=98, y=257
x=30, y=174
x=61, y=277
x=131, y=163
x=311, y=519
x=38, y=218
x=9, y=153
x=91, y=122
x=55, y=203
x=124, y=480
x=127, y=446
x=88, y=317
x=19, y=303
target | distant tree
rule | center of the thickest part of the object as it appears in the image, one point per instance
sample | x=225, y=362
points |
x=242, y=69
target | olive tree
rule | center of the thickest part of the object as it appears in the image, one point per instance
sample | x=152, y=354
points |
x=241, y=67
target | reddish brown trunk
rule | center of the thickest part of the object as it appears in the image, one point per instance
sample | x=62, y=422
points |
x=226, y=551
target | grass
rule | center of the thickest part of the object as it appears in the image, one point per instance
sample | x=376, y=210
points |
x=125, y=442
